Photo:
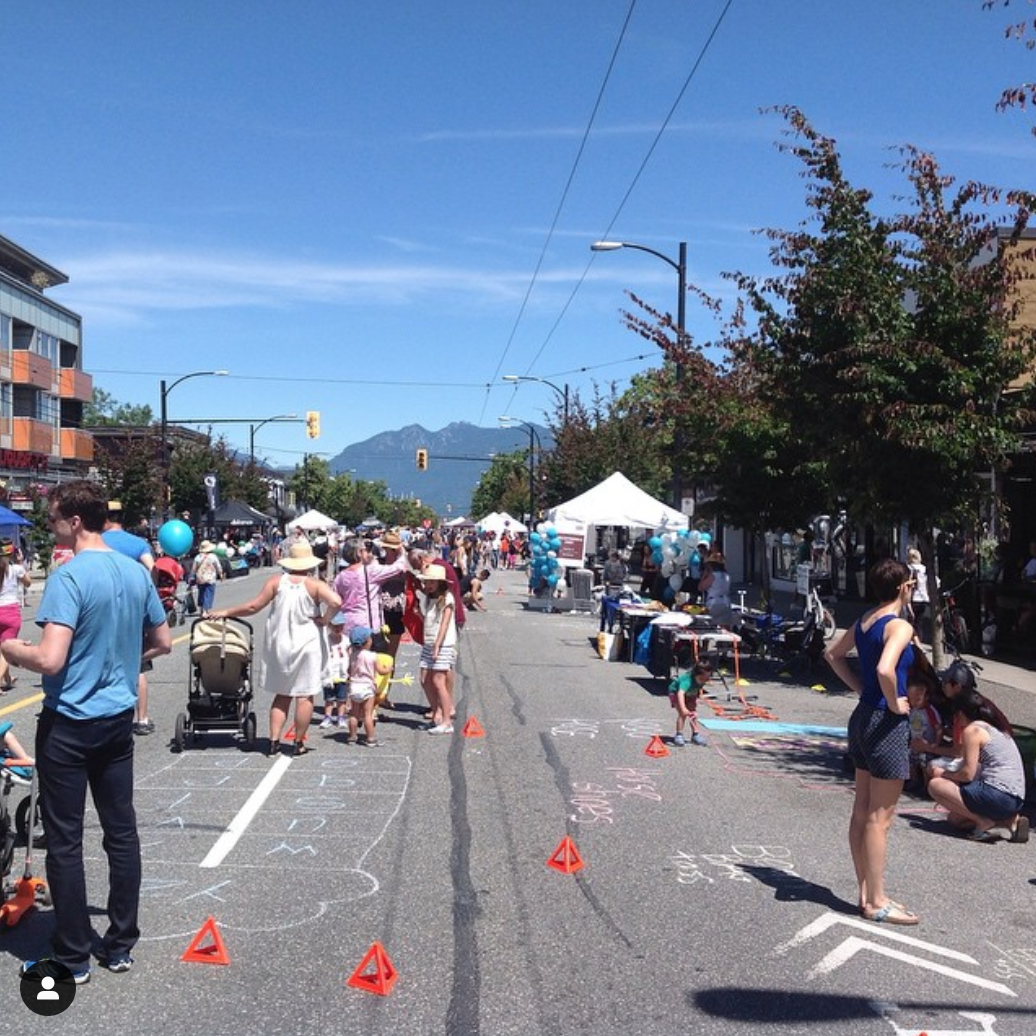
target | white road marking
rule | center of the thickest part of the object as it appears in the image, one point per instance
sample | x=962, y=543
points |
x=851, y=946
x=829, y=920
x=237, y=827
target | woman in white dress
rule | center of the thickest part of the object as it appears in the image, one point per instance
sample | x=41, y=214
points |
x=294, y=651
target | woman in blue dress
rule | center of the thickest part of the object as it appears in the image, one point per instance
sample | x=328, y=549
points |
x=879, y=730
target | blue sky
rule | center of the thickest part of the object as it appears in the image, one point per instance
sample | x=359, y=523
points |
x=376, y=210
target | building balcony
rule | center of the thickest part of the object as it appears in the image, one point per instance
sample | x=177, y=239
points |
x=76, y=445
x=33, y=436
x=28, y=368
x=74, y=384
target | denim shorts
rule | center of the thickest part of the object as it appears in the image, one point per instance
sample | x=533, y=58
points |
x=879, y=742
x=986, y=801
x=336, y=692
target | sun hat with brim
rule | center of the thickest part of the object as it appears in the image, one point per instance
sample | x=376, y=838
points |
x=433, y=572
x=390, y=541
x=300, y=558
x=206, y=547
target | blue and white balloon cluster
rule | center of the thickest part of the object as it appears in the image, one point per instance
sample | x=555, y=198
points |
x=544, y=544
x=671, y=552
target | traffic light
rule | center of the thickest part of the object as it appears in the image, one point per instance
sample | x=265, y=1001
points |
x=422, y=459
x=313, y=424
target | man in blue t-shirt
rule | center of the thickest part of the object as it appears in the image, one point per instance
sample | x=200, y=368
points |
x=94, y=612
x=137, y=548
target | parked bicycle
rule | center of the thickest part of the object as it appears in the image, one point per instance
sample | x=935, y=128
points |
x=956, y=637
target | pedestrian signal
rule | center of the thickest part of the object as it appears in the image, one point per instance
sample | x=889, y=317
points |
x=422, y=460
x=313, y=424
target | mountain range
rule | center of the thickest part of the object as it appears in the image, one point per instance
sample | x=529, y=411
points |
x=457, y=457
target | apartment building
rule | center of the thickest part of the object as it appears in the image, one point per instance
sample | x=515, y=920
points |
x=42, y=385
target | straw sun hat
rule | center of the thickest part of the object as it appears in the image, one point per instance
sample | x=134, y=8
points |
x=300, y=558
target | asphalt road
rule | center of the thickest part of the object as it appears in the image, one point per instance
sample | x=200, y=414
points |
x=716, y=895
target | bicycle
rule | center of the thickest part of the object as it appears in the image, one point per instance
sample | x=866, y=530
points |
x=822, y=616
x=955, y=634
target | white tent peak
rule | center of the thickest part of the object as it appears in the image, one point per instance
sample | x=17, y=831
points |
x=617, y=501
x=498, y=521
x=312, y=521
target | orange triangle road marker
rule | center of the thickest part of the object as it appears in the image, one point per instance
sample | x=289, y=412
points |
x=383, y=977
x=566, y=858
x=214, y=952
x=473, y=728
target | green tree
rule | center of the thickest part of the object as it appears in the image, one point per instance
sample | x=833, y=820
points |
x=189, y=465
x=503, y=486
x=105, y=409
x=891, y=341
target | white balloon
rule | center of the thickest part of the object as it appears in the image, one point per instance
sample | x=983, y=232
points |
x=676, y=581
x=562, y=586
x=666, y=568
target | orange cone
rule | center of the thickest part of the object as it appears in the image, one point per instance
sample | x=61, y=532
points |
x=213, y=953
x=382, y=979
x=566, y=858
x=472, y=728
x=656, y=748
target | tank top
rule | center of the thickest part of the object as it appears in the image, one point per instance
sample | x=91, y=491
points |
x=1000, y=762
x=869, y=645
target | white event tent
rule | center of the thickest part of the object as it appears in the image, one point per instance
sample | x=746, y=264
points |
x=312, y=521
x=498, y=521
x=617, y=501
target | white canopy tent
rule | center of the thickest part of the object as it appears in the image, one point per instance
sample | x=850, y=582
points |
x=312, y=521
x=498, y=521
x=617, y=501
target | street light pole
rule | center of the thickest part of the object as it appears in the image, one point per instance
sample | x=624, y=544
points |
x=164, y=391
x=562, y=392
x=253, y=428
x=532, y=461
x=680, y=266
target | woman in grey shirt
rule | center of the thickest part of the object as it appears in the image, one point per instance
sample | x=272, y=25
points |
x=988, y=790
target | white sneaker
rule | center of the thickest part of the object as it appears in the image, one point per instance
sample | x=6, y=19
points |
x=326, y=722
x=342, y=721
x=442, y=728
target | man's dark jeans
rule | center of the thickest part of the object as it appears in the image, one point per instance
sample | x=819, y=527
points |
x=72, y=755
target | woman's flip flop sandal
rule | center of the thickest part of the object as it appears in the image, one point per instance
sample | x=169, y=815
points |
x=893, y=913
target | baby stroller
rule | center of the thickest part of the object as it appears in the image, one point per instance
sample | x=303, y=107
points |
x=168, y=574
x=219, y=684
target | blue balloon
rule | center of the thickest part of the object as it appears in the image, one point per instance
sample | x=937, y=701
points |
x=705, y=537
x=656, y=557
x=655, y=542
x=534, y=537
x=175, y=538
x=555, y=544
x=552, y=580
x=551, y=532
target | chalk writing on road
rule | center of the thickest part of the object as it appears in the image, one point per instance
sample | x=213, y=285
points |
x=314, y=814
x=745, y=862
x=638, y=727
x=593, y=802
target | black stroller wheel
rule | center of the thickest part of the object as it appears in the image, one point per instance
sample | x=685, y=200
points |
x=180, y=734
x=248, y=730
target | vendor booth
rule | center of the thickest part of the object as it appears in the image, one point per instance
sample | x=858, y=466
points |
x=615, y=501
x=501, y=522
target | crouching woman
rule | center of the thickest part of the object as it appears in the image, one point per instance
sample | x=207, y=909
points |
x=986, y=792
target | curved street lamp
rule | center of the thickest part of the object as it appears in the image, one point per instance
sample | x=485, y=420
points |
x=253, y=428
x=506, y=422
x=164, y=391
x=680, y=266
x=562, y=392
